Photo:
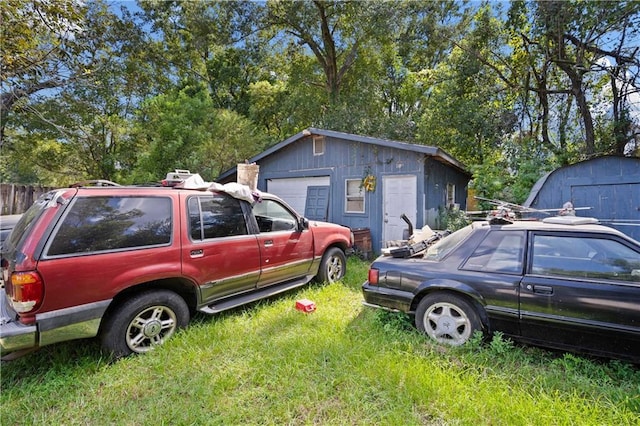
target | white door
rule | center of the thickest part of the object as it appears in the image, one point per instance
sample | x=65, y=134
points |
x=294, y=190
x=399, y=196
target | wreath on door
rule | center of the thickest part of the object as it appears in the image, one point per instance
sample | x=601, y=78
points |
x=369, y=183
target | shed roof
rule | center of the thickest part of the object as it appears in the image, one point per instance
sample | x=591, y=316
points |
x=537, y=187
x=437, y=153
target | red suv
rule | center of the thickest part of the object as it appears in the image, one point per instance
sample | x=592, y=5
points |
x=131, y=264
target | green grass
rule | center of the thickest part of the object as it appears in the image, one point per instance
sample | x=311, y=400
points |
x=342, y=364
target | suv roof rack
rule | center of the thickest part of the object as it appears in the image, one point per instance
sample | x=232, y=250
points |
x=94, y=182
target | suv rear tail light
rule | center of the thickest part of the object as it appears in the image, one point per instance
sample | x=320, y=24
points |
x=373, y=277
x=26, y=291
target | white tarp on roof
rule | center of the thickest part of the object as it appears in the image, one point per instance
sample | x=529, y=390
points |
x=236, y=190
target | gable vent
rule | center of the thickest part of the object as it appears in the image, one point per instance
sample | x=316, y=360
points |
x=318, y=145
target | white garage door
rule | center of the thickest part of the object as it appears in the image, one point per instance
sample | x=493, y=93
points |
x=294, y=190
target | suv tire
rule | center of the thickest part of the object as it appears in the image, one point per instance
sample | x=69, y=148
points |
x=332, y=266
x=143, y=322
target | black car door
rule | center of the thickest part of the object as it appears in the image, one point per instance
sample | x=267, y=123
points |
x=494, y=270
x=582, y=291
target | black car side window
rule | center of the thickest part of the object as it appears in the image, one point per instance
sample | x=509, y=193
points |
x=215, y=216
x=500, y=251
x=584, y=257
x=95, y=224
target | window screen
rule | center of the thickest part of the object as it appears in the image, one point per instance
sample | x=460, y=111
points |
x=355, y=196
x=318, y=145
x=451, y=194
x=96, y=224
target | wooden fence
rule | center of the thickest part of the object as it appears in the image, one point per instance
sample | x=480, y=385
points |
x=16, y=199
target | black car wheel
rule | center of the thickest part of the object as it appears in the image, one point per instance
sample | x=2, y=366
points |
x=143, y=322
x=447, y=318
x=333, y=266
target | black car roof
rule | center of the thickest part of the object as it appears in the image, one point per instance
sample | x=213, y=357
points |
x=580, y=224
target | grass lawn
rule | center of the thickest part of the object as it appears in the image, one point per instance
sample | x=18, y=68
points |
x=342, y=364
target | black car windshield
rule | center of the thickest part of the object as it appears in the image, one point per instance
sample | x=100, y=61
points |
x=443, y=247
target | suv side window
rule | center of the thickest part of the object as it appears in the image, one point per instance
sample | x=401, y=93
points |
x=500, y=251
x=95, y=224
x=215, y=216
x=584, y=257
x=273, y=216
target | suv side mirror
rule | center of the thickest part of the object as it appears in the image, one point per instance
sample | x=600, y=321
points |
x=303, y=223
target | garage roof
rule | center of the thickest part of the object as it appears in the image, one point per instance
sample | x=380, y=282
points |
x=431, y=151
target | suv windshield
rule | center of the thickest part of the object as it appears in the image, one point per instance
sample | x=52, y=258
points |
x=443, y=247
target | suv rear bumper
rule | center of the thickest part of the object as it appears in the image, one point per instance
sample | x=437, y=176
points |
x=13, y=335
x=51, y=327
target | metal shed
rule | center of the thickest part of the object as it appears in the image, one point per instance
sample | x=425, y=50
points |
x=361, y=182
x=609, y=185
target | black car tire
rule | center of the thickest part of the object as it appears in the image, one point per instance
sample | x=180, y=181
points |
x=146, y=320
x=333, y=266
x=447, y=318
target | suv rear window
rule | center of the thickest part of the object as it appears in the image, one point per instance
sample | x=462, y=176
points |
x=31, y=217
x=95, y=224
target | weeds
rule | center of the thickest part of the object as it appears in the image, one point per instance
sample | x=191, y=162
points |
x=394, y=321
x=342, y=364
x=452, y=219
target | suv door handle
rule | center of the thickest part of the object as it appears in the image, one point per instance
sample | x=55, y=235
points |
x=540, y=289
x=197, y=253
x=268, y=243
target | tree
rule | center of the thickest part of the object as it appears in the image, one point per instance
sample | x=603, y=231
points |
x=351, y=65
x=80, y=131
x=333, y=31
x=206, y=42
x=469, y=110
x=40, y=50
x=568, y=51
x=185, y=130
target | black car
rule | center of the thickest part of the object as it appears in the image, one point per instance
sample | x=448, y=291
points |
x=564, y=282
x=7, y=223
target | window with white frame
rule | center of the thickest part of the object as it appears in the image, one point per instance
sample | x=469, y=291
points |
x=451, y=194
x=355, y=196
x=318, y=145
